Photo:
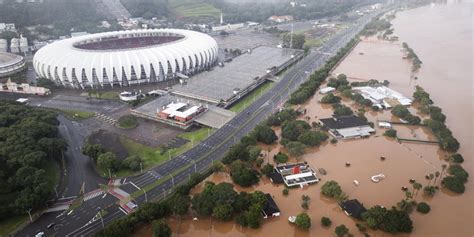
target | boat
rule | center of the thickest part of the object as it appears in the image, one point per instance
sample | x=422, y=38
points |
x=292, y=219
x=322, y=171
x=377, y=178
x=356, y=183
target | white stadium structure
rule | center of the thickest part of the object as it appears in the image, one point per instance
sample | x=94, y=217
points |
x=125, y=58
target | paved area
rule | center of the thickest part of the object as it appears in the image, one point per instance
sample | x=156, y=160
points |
x=223, y=83
x=215, y=117
x=246, y=39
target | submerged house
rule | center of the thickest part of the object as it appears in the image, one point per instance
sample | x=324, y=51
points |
x=382, y=96
x=346, y=127
x=270, y=209
x=295, y=174
x=353, y=208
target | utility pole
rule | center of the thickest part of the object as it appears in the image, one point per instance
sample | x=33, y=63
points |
x=169, y=154
x=146, y=198
x=141, y=167
x=291, y=37
x=172, y=179
x=110, y=175
x=29, y=214
x=100, y=215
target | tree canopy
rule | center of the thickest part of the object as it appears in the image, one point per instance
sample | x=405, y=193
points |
x=303, y=221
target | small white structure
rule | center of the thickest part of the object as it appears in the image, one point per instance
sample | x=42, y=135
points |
x=347, y=127
x=280, y=19
x=23, y=88
x=377, y=178
x=384, y=124
x=326, y=90
x=15, y=45
x=129, y=96
x=382, y=96
x=228, y=27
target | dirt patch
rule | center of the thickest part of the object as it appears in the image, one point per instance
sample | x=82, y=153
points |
x=110, y=141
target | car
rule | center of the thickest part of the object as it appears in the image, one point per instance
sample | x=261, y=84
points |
x=40, y=234
x=50, y=225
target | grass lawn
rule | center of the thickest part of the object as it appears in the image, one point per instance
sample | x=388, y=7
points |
x=127, y=122
x=154, y=156
x=10, y=224
x=249, y=98
x=191, y=8
x=77, y=114
x=110, y=95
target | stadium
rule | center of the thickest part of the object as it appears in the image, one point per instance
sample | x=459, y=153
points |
x=10, y=64
x=124, y=58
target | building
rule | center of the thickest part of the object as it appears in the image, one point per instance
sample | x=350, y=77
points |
x=346, y=127
x=296, y=174
x=10, y=64
x=15, y=45
x=181, y=112
x=3, y=45
x=228, y=27
x=382, y=96
x=23, y=45
x=124, y=58
x=270, y=209
x=280, y=19
x=326, y=90
x=353, y=208
x=23, y=88
x=7, y=27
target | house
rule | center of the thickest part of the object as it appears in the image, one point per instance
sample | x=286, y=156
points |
x=270, y=209
x=280, y=19
x=382, y=96
x=296, y=174
x=346, y=127
x=181, y=112
x=353, y=208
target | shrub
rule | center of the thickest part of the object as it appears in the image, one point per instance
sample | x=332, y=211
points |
x=459, y=172
x=331, y=189
x=265, y=134
x=127, y=121
x=325, y=221
x=423, y=207
x=286, y=191
x=303, y=221
x=454, y=184
x=267, y=169
x=341, y=230
x=280, y=157
x=390, y=133
x=330, y=99
x=333, y=140
x=133, y=163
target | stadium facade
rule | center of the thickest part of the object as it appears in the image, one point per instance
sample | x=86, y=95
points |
x=10, y=64
x=124, y=58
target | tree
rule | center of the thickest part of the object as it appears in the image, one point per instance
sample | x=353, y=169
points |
x=400, y=111
x=223, y=212
x=341, y=230
x=267, y=169
x=286, y=191
x=391, y=221
x=133, y=163
x=238, y=151
x=280, y=157
x=454, y=184
x=331, y=189
x=180, y=204
x=107, y=161
x=312, y=138
x=390, y=133
x=342, y=110
x=242, y=174
x=93, y=150
x=265, y=134
x=417, y=187
x=423, y=207
x=293, y=129
x=303, y=221
x=456, y=158
x=458, y=171
x=217, y=167
x=160, y=228
x=330, y=99
x=325, y=221
x=254, y=152
x=295, y=148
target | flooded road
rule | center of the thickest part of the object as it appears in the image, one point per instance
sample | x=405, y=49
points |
x=441, y=35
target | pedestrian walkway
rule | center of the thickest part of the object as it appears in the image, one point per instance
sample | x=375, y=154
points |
x=105, y=118
x=119, y=193
x=90, y=195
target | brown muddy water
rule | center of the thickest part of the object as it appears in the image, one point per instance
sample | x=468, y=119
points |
x=441, y=35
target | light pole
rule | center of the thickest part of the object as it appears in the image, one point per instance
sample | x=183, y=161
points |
x=169, y=154
x=29, y=214
x=100, y=215
x=195, y=167
x=172, y=179
x=110, y=175
x=146, y=198
x=141, y=167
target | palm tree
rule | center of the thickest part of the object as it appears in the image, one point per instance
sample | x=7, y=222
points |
x=417, y=187
x=430, y=177
x=436, y=177
x=443, y=168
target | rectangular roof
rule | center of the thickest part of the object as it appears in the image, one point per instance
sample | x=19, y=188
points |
x=343, y=122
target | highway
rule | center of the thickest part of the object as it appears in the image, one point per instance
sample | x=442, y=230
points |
x=200, y=157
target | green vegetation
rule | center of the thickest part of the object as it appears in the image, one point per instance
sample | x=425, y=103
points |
x=298, y=40
x=29, y=174
x=127, y=122
x=341, y=110
x=243, y=174
x=160, y=228
x=305, y=199
x=277, y=119
x=403, y=113
x=295, y=148
x=413, y=57
x=375, y=26
x=341, y=231
x=264, y=134
x=423, y=207
x=280, y=157
x=10, y=224
x=437, y=121
x=303, y=221
x=392, y=221
x=333, y=190
x=456, y=158
x=312, y=138
x=76, y=114
x=191, y=9
x=249, y=98
x=286, y=191
x=325, y=221
x=330, y=99
x=267, y=169
x=390, y=133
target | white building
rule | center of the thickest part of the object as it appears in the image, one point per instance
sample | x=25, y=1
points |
x=7, y=27
x=280, y=19
x=382, y=96
x=3, y=45
x=228, y=27
x=15, y=45
x=23, y=44
x=326, y=90
x=346, y=127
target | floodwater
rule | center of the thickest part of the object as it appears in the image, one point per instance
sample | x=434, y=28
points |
x=441, y=35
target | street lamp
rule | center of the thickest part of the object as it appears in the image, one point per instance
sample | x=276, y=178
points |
x=172, y=179
x=146, y=197
x=29, y=214
x=100, y=215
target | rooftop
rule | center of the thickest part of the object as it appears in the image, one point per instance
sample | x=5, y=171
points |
x=343, y=122
x=353, y=208
x=270, y=208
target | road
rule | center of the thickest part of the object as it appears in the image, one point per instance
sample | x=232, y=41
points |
x=200, y=157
